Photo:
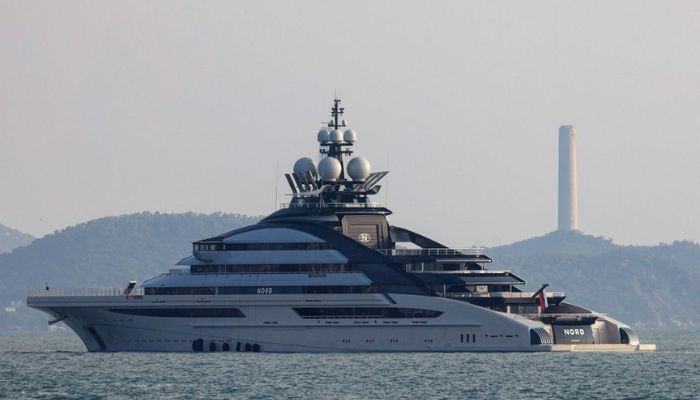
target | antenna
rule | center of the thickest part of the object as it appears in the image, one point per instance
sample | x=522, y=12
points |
x=336, y=113
x=386, y=187
x=277, y=173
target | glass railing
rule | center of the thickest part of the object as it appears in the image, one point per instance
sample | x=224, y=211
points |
x=506, y=295
x=331, y=205
x=439, y=252
x=538, y=316
x=89, y=292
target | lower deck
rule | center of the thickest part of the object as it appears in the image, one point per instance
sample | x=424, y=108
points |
x=319, y=323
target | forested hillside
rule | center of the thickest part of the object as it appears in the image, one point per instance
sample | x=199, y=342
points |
x=10, y=239
x=106, y=252
x=653, y=286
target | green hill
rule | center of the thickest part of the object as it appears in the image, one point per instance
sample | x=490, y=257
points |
x=652, y=286
x=10, y=239
x=106, y=252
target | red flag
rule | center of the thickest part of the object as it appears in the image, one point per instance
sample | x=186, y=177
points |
x=543, y=300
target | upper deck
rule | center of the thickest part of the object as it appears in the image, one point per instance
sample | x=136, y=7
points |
x=439, y=254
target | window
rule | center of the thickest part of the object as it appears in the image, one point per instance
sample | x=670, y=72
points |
x=260, y=290
x=204, y=290
x=365, y=312
x=182, y=312
x=259, y=246
x=294, y=290
x=271, y=268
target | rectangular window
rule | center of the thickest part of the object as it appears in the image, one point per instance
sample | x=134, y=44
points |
x=205, y=290
x=365, y=312
x=182, y=312
x=274, y=246
x=272, y=268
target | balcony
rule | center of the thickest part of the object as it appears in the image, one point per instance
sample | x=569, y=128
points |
x=437, y=252
x=89, y=292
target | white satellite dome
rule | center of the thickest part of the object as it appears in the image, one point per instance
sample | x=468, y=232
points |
x=336, y=136
x=329, y=168
x=302, y=165
x=350, y=136
x=359, y=168
x=323, y=136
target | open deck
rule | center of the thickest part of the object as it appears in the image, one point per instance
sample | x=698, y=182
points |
x=86, y=292
x=439, y=252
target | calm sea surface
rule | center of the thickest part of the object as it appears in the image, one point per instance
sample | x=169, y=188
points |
x=56, y=366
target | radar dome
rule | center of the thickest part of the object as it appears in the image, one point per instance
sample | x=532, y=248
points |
x=323, y=136
x=302, y=165
x=329, y=168
x=359, y=168
x=350, y=136
x=336, y=136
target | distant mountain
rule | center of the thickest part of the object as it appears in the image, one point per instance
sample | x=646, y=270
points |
x=106, y=252
x=559, y=242
x=10, y=239
x=651, y=286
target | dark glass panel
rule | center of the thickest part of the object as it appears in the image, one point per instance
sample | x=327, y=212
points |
x=365, y=312
x=271, y=268
x=182, y=312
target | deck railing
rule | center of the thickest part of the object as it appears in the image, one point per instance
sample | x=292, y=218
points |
x=87, y=292
x=440, y=252
x=564, y=315
x=508, y=295
x=331, y=205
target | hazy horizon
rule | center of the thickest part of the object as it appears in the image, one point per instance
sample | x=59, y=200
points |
x=118, y=107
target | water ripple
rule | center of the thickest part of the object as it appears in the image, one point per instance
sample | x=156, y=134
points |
x=57, y=367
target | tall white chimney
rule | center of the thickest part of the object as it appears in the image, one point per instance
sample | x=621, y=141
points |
x=568, y=207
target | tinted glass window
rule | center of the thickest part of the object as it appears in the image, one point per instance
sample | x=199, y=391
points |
x=259, y=246
x=365, y=312
x=182, y=312
x=271, y=268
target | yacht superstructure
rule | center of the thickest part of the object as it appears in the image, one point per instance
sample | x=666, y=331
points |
x=328, y=272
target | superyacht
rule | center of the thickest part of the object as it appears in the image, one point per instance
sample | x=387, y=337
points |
x=328, y=272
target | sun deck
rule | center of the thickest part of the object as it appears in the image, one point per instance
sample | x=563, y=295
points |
x=87, y=292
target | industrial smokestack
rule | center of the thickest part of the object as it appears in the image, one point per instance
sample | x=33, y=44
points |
x=568, y=207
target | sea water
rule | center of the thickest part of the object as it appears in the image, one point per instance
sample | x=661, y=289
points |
x=56, y=366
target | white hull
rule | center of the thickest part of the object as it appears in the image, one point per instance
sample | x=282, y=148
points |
x=272, y=325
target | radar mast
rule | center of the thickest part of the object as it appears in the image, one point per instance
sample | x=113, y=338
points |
x=332, y=181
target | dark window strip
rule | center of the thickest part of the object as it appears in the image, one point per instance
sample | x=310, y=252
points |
x=259, y=246
x=365, y=312
x=264, y=290
x=205, y=290
x=271, y=268
x=182, y=312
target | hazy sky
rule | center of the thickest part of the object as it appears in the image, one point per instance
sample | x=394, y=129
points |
x=116, y=107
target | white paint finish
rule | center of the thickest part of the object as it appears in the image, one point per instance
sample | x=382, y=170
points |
x=568, y=194
x=271, y=322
